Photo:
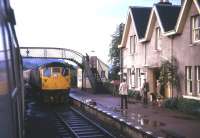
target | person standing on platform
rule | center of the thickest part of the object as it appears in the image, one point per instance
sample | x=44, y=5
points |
x=123, y=92
x=145, y=89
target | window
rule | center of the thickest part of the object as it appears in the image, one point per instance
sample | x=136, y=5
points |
x=129, y=78
x=195, y=28
x=138, y=78
x=133, y=77
x=133, y=41
x=47, y=72
x=103, y=74
x=65, y=71
x=157, y=41
x=3, y=73
x=197, y=73
x=188, y=70
x=55, y=70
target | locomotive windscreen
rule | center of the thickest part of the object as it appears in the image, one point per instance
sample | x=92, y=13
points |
x=55, y=70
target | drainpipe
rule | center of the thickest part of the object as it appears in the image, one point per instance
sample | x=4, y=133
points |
x=121, y=64
x=171, y=52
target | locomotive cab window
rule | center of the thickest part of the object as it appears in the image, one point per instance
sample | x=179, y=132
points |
x=47, y=72
x=55, y=70
x=65, y=71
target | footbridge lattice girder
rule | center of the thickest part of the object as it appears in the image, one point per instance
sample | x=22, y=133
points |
x=49, y=52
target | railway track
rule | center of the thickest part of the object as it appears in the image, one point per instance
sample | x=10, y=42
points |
x=73, y=124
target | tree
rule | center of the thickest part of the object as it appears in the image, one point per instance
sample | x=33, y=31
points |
x=114, y=52
x=169, y=73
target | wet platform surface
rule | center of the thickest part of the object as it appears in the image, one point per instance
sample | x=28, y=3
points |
x=157, y=121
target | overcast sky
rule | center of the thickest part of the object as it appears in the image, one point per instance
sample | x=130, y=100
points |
x=82, y=25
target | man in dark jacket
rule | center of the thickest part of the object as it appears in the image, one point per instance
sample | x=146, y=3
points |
x=145, y=89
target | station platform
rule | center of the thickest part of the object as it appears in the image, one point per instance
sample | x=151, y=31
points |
x=157, y=121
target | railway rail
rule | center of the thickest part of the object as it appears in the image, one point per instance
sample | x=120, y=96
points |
x=73, y=124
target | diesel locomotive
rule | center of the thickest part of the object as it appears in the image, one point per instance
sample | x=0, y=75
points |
x=52, y=81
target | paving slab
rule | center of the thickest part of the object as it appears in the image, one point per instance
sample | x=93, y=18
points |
x=157, y=120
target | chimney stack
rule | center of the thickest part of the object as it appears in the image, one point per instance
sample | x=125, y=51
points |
x=165, y=2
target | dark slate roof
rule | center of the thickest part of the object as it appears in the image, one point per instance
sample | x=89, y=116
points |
x=168, y=15
x=141, y=18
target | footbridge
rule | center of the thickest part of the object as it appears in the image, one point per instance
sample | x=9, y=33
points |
x=67, y=54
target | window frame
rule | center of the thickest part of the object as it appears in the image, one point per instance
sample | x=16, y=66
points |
x=157, y=39
x=189, y=82
x=195, y=28
x=44, y=72
x=55, y=70
x=103, y=74
x=132, y=46
x=138, y=70
x=197, y=76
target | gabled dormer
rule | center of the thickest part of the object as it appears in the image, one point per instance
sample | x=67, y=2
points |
x=166, y=16
x=186, y=7
x=138, y=17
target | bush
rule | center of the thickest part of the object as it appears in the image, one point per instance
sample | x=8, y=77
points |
x=188, y=106
x=171, y=103
x=135, y=94
x=111, y=88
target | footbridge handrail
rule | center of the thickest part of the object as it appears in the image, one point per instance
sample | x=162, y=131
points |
x=64, y=49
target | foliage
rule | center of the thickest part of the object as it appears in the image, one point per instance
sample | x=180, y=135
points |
x=168, y=73
x=111, y=88
x=114, y=52
x=171, y=103
x=188, y=106
x=135, y=94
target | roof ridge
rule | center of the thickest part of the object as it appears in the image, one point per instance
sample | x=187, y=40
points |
x=167, y=5
x=139, y=7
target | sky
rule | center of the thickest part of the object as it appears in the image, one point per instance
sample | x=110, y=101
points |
x=82, y=25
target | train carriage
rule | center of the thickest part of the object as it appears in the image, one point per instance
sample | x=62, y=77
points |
x=11, y=82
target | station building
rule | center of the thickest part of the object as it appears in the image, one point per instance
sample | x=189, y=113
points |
x=163, y=32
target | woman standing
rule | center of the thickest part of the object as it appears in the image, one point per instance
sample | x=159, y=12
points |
x=123, y=91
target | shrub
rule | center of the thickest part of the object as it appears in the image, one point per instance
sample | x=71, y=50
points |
x=188, y=106
x=111, y=88
x=171, y=103
x=135, y=94
x=130, y=93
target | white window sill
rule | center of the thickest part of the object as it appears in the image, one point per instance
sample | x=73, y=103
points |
x=157, y=51
x=137, y=89
x=191, y=97
x=195, y=44
x=131, y=54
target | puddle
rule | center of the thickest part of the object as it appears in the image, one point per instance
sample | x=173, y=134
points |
x=141, y=120
x=154, y=124
x=184, y=117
